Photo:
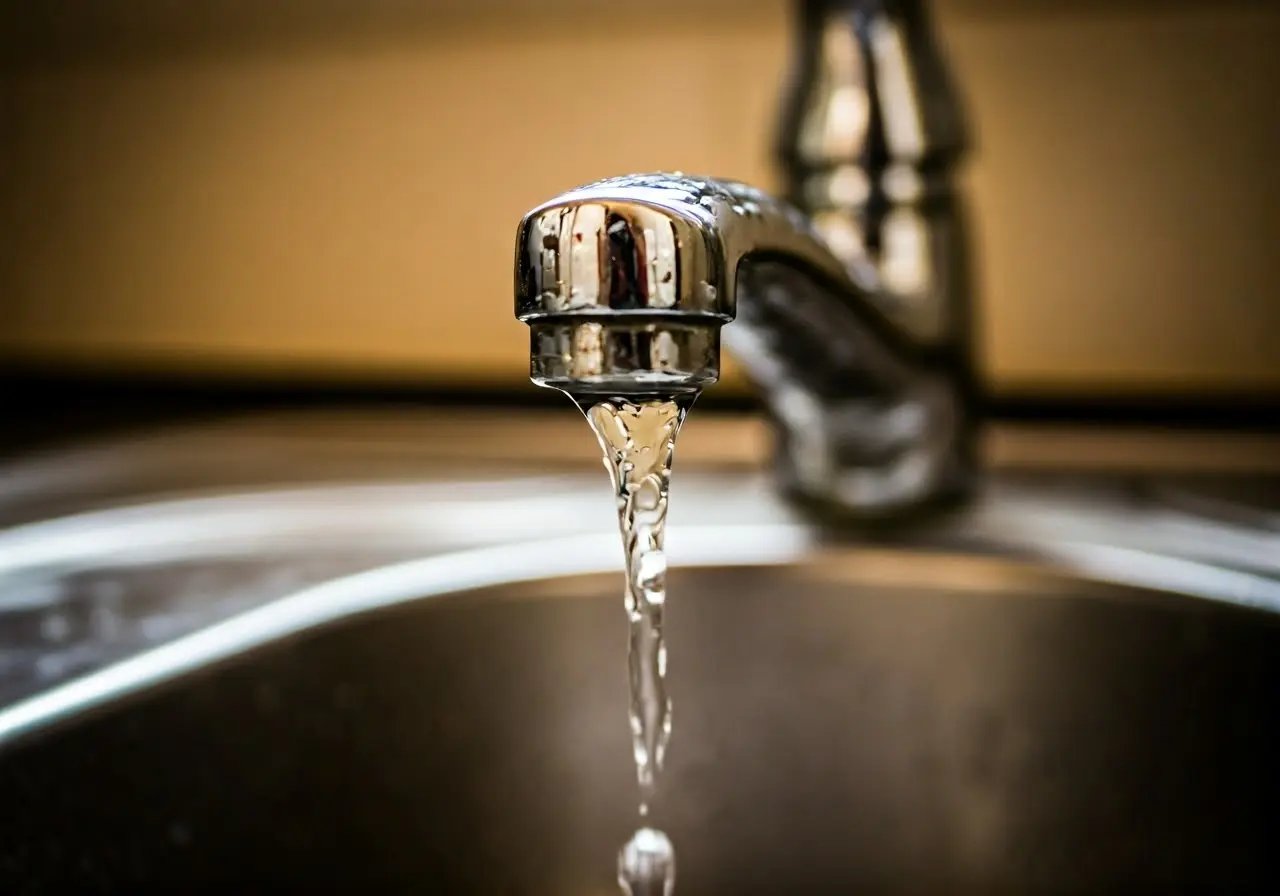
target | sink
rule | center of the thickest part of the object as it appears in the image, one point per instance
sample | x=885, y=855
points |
x=869, y=720
x=405, y=681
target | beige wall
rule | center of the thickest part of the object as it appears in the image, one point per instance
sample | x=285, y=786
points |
x=347, y=202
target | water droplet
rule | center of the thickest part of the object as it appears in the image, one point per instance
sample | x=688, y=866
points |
x=50, y=665
x=647, y=864
x=55, y=628
x=106, y=624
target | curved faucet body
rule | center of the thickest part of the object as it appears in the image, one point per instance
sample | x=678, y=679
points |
x=850, y=302
x=626, y=283
x=871, y=134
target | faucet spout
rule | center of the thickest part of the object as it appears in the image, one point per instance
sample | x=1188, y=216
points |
x=626, y=283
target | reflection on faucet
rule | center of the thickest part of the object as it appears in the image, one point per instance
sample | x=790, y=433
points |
x=870, y=419
x=871, y=132
x=851, y=302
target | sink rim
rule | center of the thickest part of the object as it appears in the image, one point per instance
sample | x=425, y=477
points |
x=433, y=516
x=447, y=535
x=460, y=572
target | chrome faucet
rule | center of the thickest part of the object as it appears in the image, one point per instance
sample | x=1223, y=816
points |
x=871, y=131
x=850, y=317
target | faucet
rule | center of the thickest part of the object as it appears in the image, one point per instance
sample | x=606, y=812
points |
x=847, y=306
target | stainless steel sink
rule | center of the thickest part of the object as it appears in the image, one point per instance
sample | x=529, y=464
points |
x=419, y=680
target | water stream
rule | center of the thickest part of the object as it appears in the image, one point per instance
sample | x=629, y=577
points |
x=637, y=438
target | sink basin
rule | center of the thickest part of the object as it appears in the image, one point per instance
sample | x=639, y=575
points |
x=412, y=682
x=864, y=720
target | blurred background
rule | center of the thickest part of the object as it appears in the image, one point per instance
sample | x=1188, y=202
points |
x=262, y=394
x=219, y=201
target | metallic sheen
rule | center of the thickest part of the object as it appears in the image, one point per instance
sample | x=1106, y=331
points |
x=625, y=284
x=872, y=129
x=852, y=301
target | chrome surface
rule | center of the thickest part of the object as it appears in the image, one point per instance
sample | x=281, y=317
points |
x=871, y=132
x=1239, y=500
x=852, y=319
x=626, y=282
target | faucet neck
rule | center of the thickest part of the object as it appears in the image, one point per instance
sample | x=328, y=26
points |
x=897, y=102
x=871, y=132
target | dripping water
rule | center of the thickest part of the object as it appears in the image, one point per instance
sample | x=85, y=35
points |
x=647, y=864
x=637, y=438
